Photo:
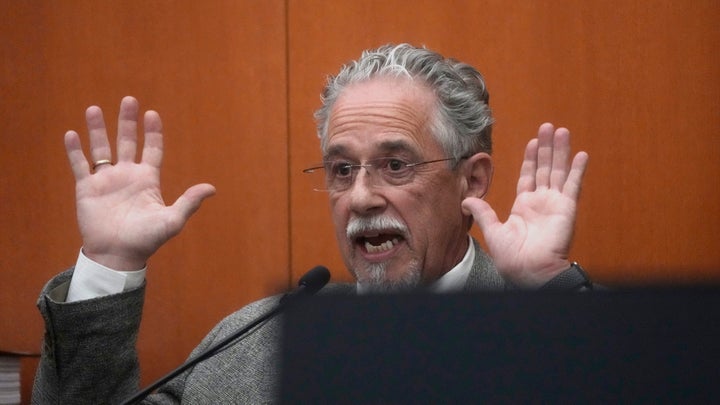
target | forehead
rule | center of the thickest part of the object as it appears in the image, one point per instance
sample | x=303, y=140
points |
x=382, y=115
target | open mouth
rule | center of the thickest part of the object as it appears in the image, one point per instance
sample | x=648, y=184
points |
x=377, y=237
x=378, y=243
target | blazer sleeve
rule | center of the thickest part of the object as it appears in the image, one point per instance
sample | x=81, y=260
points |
x=88, y=353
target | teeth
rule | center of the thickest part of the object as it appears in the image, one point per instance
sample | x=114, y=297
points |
x=382, y=247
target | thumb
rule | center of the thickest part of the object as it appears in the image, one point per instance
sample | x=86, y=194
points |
x=481, y=211
x=190, y=201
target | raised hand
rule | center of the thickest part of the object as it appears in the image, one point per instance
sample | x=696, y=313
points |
x=122, y=217
x=532, y=245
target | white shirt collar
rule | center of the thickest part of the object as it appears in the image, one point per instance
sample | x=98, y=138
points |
x=455, y=279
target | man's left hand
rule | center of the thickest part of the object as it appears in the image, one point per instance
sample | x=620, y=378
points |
x=532, y=246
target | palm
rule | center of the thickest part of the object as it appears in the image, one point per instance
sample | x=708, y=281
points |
x=527, y=236
x=116, y=209
x=533, y=244
x=121, y=214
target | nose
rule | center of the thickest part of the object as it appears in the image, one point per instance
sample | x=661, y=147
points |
x=365, y=197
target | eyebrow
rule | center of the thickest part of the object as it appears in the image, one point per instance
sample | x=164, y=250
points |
x=333, y=151
x=396, y=146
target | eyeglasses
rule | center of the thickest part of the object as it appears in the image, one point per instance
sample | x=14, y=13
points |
x=339, y=175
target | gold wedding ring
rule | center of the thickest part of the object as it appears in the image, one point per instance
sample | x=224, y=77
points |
x=101, y=162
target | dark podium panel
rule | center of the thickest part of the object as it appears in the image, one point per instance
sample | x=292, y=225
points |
x=641, y=346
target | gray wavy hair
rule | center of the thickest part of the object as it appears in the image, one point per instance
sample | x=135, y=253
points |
x=463, y=123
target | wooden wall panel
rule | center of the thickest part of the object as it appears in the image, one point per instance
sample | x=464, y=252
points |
x=236, y=85
x=216, y=73
x=636, y=83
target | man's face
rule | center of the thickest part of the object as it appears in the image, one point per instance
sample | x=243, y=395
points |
x=394, y=236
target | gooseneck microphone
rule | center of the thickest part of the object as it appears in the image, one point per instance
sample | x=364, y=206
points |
x=310, y=283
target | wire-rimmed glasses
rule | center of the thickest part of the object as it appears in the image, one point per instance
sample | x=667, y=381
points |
x=339, y=175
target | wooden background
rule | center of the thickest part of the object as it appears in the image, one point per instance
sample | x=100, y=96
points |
x=236, y=83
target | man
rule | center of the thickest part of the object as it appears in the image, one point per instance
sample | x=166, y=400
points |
x=405, y=137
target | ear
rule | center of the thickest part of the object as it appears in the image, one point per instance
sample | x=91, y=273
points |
x=478, y=172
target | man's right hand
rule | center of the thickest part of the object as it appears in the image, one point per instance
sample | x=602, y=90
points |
x=122, y=217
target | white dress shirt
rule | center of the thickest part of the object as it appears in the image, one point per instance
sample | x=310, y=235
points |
x=91, y=280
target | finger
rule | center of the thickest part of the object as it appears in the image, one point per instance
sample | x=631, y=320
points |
x=99, y=145
x=561, y=156
x=526, y=181
x=78, y=161
x=153, y=147
x=577, y=172
x=188, y=203
x=544, y=156
x=127, y=130
x=481, y=211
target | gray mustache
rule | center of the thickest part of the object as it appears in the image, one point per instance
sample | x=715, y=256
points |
x=358, y=226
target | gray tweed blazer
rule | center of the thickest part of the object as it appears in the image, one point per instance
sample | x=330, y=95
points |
x=89, y=354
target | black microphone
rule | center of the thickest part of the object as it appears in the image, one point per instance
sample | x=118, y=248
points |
x=310, y=283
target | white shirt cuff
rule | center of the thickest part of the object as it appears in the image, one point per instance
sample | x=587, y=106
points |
x=91, y=280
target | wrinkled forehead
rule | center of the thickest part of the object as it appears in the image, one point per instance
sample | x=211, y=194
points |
x=385, y=115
